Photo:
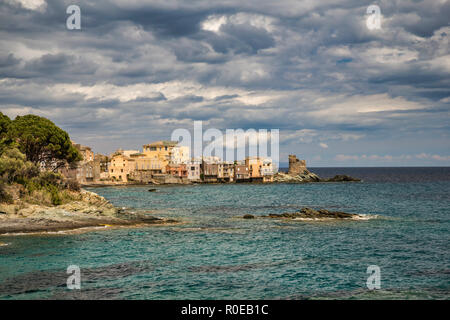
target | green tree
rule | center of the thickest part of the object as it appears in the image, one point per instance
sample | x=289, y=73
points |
x=14, y=167
x=42, y=141
x=5, y=122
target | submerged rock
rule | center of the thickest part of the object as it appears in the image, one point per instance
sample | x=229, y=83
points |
x=341, y=178
x=308, y=213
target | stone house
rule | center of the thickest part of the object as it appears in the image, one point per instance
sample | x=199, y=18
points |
x=241, y=173
x=121, y=167
x=193, y=171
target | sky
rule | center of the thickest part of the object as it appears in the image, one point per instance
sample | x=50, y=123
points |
x=341, y=94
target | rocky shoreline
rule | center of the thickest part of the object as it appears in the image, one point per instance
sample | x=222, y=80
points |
x=90, y=211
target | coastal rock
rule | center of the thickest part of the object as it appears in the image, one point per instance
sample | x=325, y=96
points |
x=341, y=178
x=308, y=176
x=308, y=213
x=88, y=210
x=248, y=216
x=305, y=176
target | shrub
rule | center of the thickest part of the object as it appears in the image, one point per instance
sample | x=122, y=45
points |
x=48, y=178
x=72, y=184
x=54, y=193
x=36, y=186
x=15, y=168
x=4, y=195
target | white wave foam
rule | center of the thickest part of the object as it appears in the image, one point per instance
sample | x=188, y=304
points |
x=70, y=231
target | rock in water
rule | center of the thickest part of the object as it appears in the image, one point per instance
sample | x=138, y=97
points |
x=248, y=216
x=308, y=213
x=341, y=178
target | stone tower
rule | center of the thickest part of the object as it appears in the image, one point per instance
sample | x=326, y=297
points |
x=296, y=166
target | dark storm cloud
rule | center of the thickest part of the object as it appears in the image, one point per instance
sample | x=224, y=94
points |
x=242, y=38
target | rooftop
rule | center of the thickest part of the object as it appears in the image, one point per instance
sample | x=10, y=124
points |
x=162, y=143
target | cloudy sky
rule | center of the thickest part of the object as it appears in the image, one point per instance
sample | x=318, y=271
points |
x=341, y=94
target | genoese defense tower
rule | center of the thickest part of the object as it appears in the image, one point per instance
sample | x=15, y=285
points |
x=296, y=166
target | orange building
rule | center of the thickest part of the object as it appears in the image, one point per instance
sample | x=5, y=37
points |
x=177, y=170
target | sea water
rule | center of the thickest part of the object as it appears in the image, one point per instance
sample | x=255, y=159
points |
x=215, y=254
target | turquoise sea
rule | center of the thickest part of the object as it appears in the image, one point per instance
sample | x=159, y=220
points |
x=214, y=254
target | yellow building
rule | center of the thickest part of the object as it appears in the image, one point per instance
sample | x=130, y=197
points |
x=143, y=162
x=260, y=168
x=160, y=150
x=120, y=167
x=254, y=165
x=86, y=152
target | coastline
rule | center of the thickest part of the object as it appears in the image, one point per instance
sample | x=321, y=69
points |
x=280, y=177
x=91, y=211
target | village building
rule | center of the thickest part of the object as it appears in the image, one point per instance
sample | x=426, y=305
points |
x=241, y=173
x=180, y=154
x=166, y=162
x=209, y=172
x=129, y=153
x=121, y=167
x=254, y=165
x=160, y=150
x=225, y=172
x=143, y=163
x=86, y=153
x=260, y=169
x=193, y=171
x=101, y=165
x=267, y=170
x=177, y=170
x=83, y=172
x=211, y=159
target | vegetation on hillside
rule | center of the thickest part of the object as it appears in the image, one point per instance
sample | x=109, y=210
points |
x=32, y=148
